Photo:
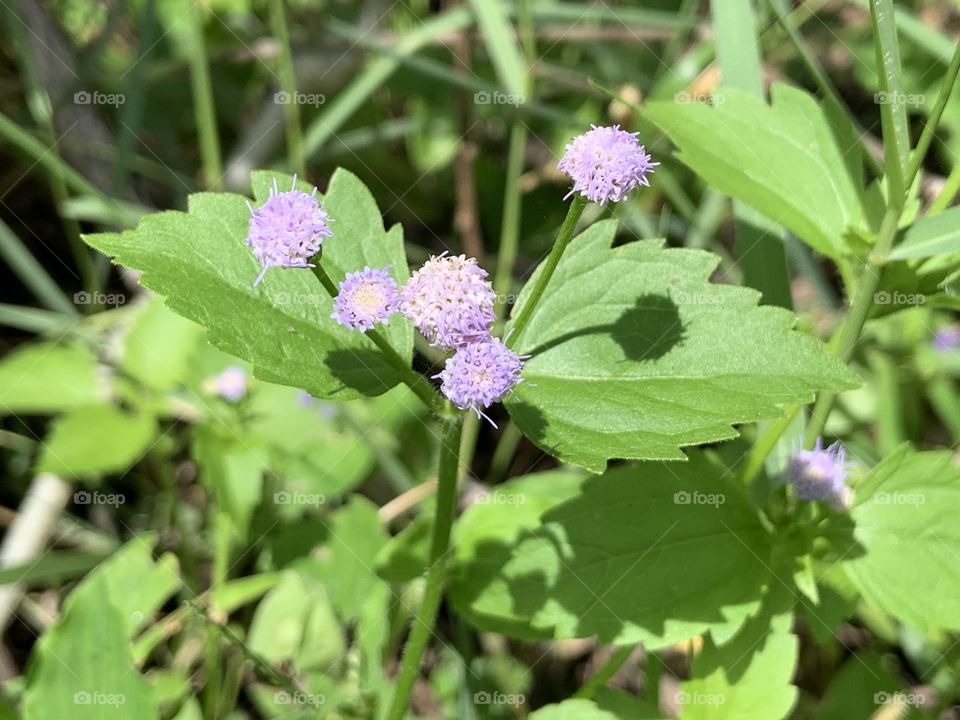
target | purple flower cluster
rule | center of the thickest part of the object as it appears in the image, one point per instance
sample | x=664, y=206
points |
x=946, y=339
x=605, y=164
x=287, y=230
x=450, y=301
x=366, y=298
x=821, y=474
x=480, y=374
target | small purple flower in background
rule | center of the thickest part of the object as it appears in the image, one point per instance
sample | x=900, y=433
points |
x=366, y=297
x=231, y=384
x=947, y=339
x=450, y=301
x=606, y=163
x=821, y=474
x=287, y=230
x=327, y=410
x=480, y=374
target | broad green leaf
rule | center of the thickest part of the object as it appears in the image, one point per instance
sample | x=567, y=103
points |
x=932, y=235
x=158, y=346
x=295, y=621
x=346, y=567
x=232, y=469
x=200, y=263
x=653, y=553
x=47, y=378
x=96, y=440
x=608, y=705
x=864, y=688
x=137, y=585
x=51, y=567
x=906, y=539
x=83, y=668
x=781, y=159
x=749, y=675
x=634, y=354
x=491, y=526
x=405, y=556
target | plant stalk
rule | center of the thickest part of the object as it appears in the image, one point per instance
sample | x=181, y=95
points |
x=563, y=239
x=436, y=574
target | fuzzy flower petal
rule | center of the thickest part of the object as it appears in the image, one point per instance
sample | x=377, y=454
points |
x=366, y=298
x=450, y=301
x=231, y=384
x=480, y=374
x=821, y=474
x=287, y=230
x=605, y=164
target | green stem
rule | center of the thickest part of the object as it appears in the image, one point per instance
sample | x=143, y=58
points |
x=853, y=323
x=546, y=271
x=414, y=380
x=600, y=678
x=436, y=574
x=204, y=108
x=950, y=189
x=926, y=137
x=288, y=83
x=503, y=454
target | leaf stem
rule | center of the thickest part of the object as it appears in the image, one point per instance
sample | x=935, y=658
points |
x=546, y=272
x=436, y=574
x=414, y=380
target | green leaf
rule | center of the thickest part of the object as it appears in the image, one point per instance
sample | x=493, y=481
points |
x=635, y=354
x=405, y=556
x=295, y=621
x=52, y=567
x=83, y=665
x=906, y=540
x=749, y=675
x=48, y=378
x=864, y=688
x=95, y=441
x=491, y=526
x=931, y=235
x=158, y=346
x=608, y=705
x=502, y=47
x=138, y=587
x=232, y=468
x=782, y=159
x=200, y=263
x=653, y=553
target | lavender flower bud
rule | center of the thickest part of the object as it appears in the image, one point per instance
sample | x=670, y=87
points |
x=820, y=474
x=480, y=374
x=606, y=163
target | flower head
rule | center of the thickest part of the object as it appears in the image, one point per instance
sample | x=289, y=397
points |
x=231, y=384
x=480, y=374
x=450, y=301
x=820, y=474
x=606, y=163
x=947, y=339
x=366, y=298
x=287, y=230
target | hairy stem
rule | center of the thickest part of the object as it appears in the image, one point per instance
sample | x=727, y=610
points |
x=436, y=573
x=563, y=239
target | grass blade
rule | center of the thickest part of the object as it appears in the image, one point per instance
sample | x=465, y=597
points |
x=501, y=45
x=893, y=109
x=32, y=273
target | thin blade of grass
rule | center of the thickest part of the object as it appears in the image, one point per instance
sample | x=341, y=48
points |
x=502, y=46
x=32, y=273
